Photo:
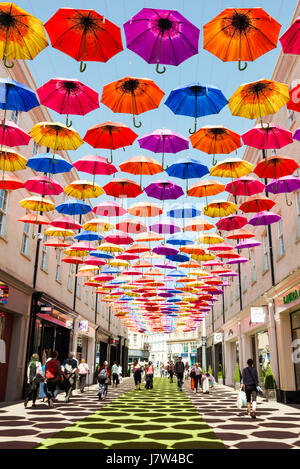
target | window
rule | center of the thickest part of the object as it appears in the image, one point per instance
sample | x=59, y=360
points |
x=86, y=296
x=280, y=239
x=70, y=278
x=253, y=267
x=245, y=279
x=58, y=267
x=78, y=292
x=25, y=239
x=14, y=116
x=266, y=253
x=44, y=261
x=134, y=339
x=184, y=348
x=3, y=211
x=298, y=212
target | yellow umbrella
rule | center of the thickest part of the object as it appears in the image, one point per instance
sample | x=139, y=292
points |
x=89, y=268
x=219, y=208
x=210, y=238
x=76, y=252
x=259, y=98
x=56, y=136
x=198, y=225
x=59, y=232
x=110, y=247
x=119, y=263
x=82, y=189
x=10, y=160
x=207, y=256
x=199, y=273
x=98, y=224
x=232, y=168
x=37, y=204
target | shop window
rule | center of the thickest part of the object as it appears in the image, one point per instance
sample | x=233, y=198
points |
x=44, y=260
x=280, y=239
x=58, y=267
x=70, y=278
x=25, y=239
x=3, y=211
x=266, y=253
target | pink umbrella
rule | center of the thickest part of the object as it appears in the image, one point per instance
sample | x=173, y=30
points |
x=131, y=226
x=238, y=260
x=66, y=223
x=245, y=186
x=232, y=222
x=252, y=243
x=290, y=40
x=109, y=209
x=269, y=137
x=119, y=238
x=94, y=261
x=68, y=96
x=220, y=247
x=43, y=185
x=94, y=164
x=13, y=136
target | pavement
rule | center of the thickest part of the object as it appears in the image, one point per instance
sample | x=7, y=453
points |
x=162, y=418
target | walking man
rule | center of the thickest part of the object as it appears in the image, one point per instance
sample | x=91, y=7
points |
x=250, y=383
x=171, y=368
x=179, y=371
x=70, y=368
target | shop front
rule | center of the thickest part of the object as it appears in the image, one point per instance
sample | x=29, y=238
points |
x=232, y=355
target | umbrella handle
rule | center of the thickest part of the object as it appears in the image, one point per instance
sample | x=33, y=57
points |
x=68, y=123
x=134, y=123
x=262, y=125
x=82, y=67
x=5, y=47
x=242, y=68
x=5, y=63
x=214, y=162
x=195, y=128
x=289, y=203
x=160, y=71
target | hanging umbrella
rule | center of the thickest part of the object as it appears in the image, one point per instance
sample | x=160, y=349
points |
x=164, y=141
x=196, y=100
x=187, y=168
x=132, y=96
x=138, y=248
x=198, y=225
x=161, y=36
x=220, y=247
x=149, y=236
x=183, y=211
x=37, y=204
x=297, y=135
x=219, y=208
x=294, y=103
x=145, y=209
x=193, y=249
x=232, y=222
x=82, y=189
x=36, y=219
x=248, y=244
x=88, y=236
x=59, y=232
x=98, y=225
x=119, y=238
x=285, y=185
x=84, y=35
x=178, y=258
x=264, y=218
x=165, y=250
x=22, y=35
x=47, y=163
x=245, y=185
x=240, y=234
x=12, y=135
x=110, y=247
x=205, y=188
x=238, y=260
x=110, y=135
x=65, y=222
x=123, y=188
x=164, y=228
x=10, y=160
x=209, y=238
x=10, y=182
x=256, y=204
x=259, y=98
x=215, y=139
x=109, y=209
x=239, y=34
x=164, y=190
x=290, y=39
x=72, y=260
x=74, y=208
x=43, y=185
x=94, y=164
x=142, y=165
x=272, y=137
x=56, y=136
x=57, y=243
x=275, y=167
x=232, y=168
x=68, y=96
x=15, y=96
x=131, y=226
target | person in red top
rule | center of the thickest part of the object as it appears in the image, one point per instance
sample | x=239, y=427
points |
x=103, y=380
x=149, y=376
x=53, y=375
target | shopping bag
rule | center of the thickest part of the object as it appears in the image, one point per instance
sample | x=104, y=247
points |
x=192, y=383
x=241, y=400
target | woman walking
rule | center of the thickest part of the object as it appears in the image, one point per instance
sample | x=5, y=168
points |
x=137, y=374
x=197, y=377
x=83, y=371
x=149, y=376
x=115, y=374
x=103, y=380
x=250, y=383
x=53, y=375
x=34, y=378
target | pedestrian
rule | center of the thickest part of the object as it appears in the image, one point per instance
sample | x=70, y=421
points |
x=179, y=371
x=137, y=375
x=70, y=370
x=250, y=383
x=103, y=381
x=120, y=373
x=162, y=370
x=53, y=375
x=83, y=371
x=149, y=376
x=34, y=378
x=46, y=356
x=197, y=377
x=186, y=371
x=171, y=368
x=115, y=374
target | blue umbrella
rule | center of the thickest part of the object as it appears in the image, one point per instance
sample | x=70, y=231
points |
x=74, y=208
x=101, y=255
x=47, y=163
x=88, y=236
x=183, y=211
x=178, y=258
x=16, y=96
x=196, y=100
x=180, y=239
x=177, y=273
x=187, y=168
x=110, y=270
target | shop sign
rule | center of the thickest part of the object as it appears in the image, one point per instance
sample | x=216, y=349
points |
x=46, y=308
x=83, y=326
x=4, y=290
x=292, y=296
x=218, y=337
x=69, y=324
x=258, y=314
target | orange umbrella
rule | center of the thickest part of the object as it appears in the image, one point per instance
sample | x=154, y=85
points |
x=205, y=188
x=141, y=165
x=145, y=209
x=198, y=225
x=239, y=34
x=149, y=236
x=215, y=139
x=132, y=96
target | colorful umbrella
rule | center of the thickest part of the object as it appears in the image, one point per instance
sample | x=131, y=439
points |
x=165, y=250
x=56, y=136
x=294, y=103
x=215, y=139
x=74, y=208
x=98, y=225
x=68, y=96
x=82, y=189
x=12, y=135
x=132, y=96
x=164, y=228
x=36, y=219
x=122, y=188
x=145, y=209
x=285, y=185
x=239, y=34
x=240, y=234
x=22, y=35
x=290, y=39
x=232, y=222
x=84, y=35
x=110, y=135
x=138, y=248
x=119, y=238
x=219, y=208
x=148, y=237
x=43, y=185
x=94, y=164
x=248, y=244
x=110, y=247
x=256, y=203
x=46, y=163
x=198, y=225
x=245, y=186
x=205, y=188
x=15, y=96
x=273, y=136
x=131, y=226
x=10, y=182
x=57, y=243
x=232, y=168
x=164, y=141
x=164, y=190
x=109, y=209
x=183, y=211
x=10, y=160
x=187, y=168
x=88, y=236
x=141, y=165
x=37, y=204
x=258, y=99
x=161, y=36
x=209, y=238
x=275, y=167
x=196, y=100
x=264, y=218
x=65, y=222
x=59, y=232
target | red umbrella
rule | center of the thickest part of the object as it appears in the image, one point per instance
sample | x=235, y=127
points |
x=232, y=222
x=94, y=164
x=119, y=238
x=245, y=186
x=84, y=35
x=94, y=261
x=72, y=260
x=13, y=136
x=131, y=226
x=43, y=185
x=256, y=204
x=110, y=135
x=137, y=248
x=66, y=223
x=10, y=182
x=123, y=188
x=240, y=234
x=275, y=167
x=57, y=243
x=109, y=209
x=294, y=103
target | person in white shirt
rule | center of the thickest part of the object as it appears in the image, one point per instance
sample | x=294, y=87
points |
x=83, y=371
x=115, y=374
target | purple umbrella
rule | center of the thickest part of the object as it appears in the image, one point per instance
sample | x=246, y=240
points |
x=228, y=274
x=252, y=243
x=164, y=228
x=164, y=190
x=161, y=36
x=165, y=250
x=164, y=141
x=264, y=218
x=239, y=260
x=167, y=265
x=284, y=185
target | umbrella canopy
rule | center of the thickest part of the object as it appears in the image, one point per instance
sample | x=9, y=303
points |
x=72, y=260
x=264, y=218
x=187, y=168
x=142, y=165
x=183, y=211
x=119, y=238
x=59, y=232
x=35, y=219
x=245, y=185
x=164, y=228
x=283, y=185
x=138, y=248
x=148, y=236
x=273, y=136
x=74, y=208
x=196, y=100
x=275, y=167
x=47, y=163
x=290, y=39
x=232, y=168
x=165, y=250
x=16, y=23
x=66, y=223
x=109, y=209
x=209, y=238
x=82, y=189
x=12, y=135
x=110, y=247
x=161, y=36
x=248, y=244
x=123, y=188
x=88, y=236
x=240, y=234
x=198, y=225
x=10, y=182
x=259, y=98
x=43, y=185
x=37, y=204
x=145, y=209
x=94, y=164
x=256, y=204
x=164, y=190
x=215, y=139
x=98, y=225
x=68, y=96
x=232, y=222
x=56, y=136
x=219, y=208
x=10, y=160
x=239, y=34
x=15, y=96
x=205, y=188
x=132, y=95
x=57, y=243
x=294, y=104
x=84, y=35
x=131, y=226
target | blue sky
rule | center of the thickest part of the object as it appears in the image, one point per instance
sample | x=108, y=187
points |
x=204, y=68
